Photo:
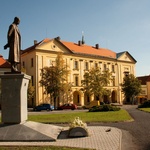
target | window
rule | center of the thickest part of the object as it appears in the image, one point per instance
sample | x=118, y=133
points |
x=113, y=81
x=126, y=73
x=76, y=65
x=96, y=65
x=86, y=66
x=49, y=62
x=76, y=79
x=53, y=63
x=31, y=62
x=104, y=67
x=113, y=68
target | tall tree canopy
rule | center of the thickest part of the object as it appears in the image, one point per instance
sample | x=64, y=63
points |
x=95, y=81
x=131, y=86
x=54, y=78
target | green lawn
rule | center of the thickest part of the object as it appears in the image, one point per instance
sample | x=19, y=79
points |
x=145, y=109
x=111, y=116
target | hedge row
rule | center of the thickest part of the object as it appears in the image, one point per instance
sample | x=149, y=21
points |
x=146, y=104
x=105, y=107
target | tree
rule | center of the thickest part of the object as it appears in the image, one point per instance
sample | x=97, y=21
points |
x=95, y=81
x=131, y=86
x=54, y=78
x=31, y=88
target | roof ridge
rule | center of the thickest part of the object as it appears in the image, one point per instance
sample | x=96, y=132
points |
x=88, y=49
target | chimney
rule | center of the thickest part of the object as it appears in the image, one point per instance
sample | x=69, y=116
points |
x=97, y=46
x=35, y=42
x=79, y=43
x=58, y=38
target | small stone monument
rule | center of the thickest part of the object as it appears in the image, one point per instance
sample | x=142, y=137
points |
x=78, y=129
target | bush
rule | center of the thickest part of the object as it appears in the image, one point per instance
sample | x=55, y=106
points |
x=146, y=104
x=105, y=107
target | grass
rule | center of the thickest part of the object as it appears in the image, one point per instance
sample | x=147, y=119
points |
x=39, y=148
x=88, y=117
x=145, y=109
x=111, y=116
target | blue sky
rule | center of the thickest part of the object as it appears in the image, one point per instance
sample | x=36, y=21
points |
x=119, y=25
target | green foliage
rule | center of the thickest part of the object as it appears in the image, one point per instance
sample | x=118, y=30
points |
x=95, y=80
x=31, y=90
x=54, y=78
x=105, y=107
x=146, y=104
x=131, y=86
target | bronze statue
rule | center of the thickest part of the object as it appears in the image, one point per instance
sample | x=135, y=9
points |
x=14, y=44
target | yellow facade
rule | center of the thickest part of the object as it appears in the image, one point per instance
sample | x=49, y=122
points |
x=44, y=54
x=145, y=87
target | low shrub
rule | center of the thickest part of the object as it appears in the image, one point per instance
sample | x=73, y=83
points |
x=146, y=104
x=105, y=107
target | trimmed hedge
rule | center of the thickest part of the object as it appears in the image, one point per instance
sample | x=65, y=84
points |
x=105, y=107
x=146, y=104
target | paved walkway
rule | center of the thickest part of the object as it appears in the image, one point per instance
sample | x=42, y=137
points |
x=98, y=139
x=139, y=129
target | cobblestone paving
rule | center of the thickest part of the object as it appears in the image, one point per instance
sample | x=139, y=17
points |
x=98, y=139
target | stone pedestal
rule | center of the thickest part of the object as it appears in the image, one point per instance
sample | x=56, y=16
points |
x=14, y=98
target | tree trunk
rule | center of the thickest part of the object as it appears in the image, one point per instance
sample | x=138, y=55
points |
x=55, y=105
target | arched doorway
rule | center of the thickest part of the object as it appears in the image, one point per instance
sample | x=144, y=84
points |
x=76, y=98
x=106, y=99
x=114, y=97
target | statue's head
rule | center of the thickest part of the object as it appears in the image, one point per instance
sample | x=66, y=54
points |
x=16, y=20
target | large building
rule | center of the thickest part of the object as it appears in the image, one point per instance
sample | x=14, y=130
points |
x=5, y=66
x=79, y=57
x=145, y=85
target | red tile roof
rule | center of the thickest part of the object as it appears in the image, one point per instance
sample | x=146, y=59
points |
x=78, y=49
x=4, y=63
x=89, y=50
